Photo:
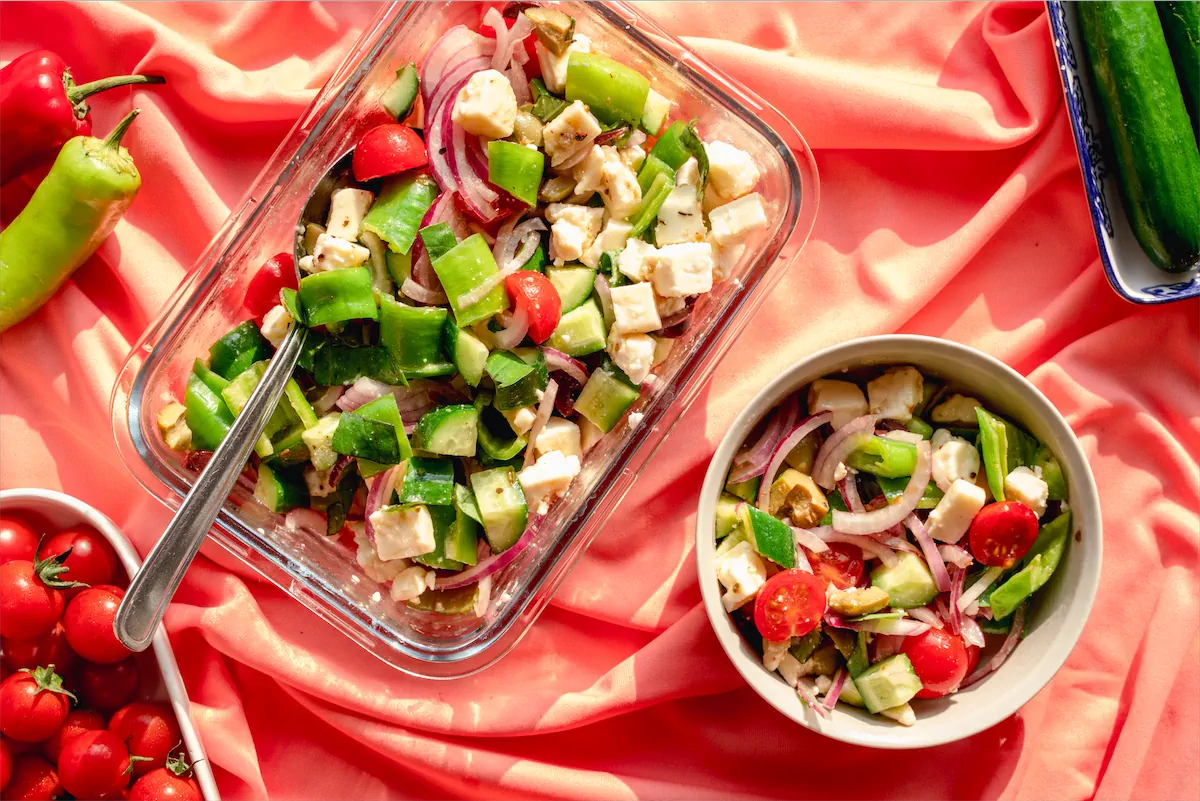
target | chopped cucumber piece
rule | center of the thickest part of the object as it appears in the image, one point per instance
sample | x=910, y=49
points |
x=502, y=506
x=728, y=517
x=443, y=529
x=457, y=601
x=606, y=396
x=467, y=352
x=448, y=430
x=888, y=683
x=399, y=97
x=746, y=490
x=574, y=285
x=237, y=350
x=655, y=112
x=580, y=331
x=908, y=583
x=428, y=481
x=279, y=491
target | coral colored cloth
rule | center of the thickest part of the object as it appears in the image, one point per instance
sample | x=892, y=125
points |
x=951, y=205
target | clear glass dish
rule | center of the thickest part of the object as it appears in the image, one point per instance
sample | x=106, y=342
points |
x=322, y=574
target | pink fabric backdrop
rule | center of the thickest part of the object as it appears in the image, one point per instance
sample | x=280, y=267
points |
x=952, y=205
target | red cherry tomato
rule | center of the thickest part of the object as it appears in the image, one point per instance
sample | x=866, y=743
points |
x=262, y=294
x=387, y=150
x=92, y=560
x=31, y=600
x=77, y=722
x=49, y=649
x=1002, y=533
x=33, y=779
x=841, y=565
x=108, y=687
x=6, y=766
x=33, y=705
x=534, y=293
x=789, y=605
x=973, y=652
x=93, y=764
x=89, y=624
x=940, y=660
x=18, y=542
x=170, y=783
x=149, y=730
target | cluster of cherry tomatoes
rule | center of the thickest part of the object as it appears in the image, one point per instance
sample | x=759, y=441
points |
x=73, y=718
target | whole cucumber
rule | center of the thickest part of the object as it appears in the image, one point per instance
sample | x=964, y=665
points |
x=1158, y=163
x=1181, y=25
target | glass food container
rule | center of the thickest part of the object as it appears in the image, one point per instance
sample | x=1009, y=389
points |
x=321, y=573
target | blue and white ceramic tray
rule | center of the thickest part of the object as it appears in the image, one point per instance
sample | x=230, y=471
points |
x=1128, y=268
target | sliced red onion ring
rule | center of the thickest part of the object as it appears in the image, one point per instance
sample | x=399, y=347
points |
x=545, y=409
x=414, y=396
x=519, y=82
x=493, y=564
x=808, y=696
x=430, y=297
x=956, y=556
x=932, y=557
x=926, y=615
x=971, y=633
x=794, y=438
x=305, y=521
x=410, y=417
x=802, y=562
x=848, y=487
x=380, y=492
x=893, y=513
x=503, y=54
x=604, y=292
x=1010, y=642
x=470, y=181
x=841, y=444
x=870, y=547
x=325, y=402
x=339, y=469
x=362, y=391
x=808, y=539
x=676, y=319
x=511, y=335
x=609, y=136
x=505, y=245
x=754, y=460
x=949, y=611
x=897, y=544
x=456, y=43
x=972, y=593
x=557, y=360
x=839, y=681
x=443, y=210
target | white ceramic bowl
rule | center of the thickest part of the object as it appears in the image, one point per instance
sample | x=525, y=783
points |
x=1062, y=605
x=62, y=511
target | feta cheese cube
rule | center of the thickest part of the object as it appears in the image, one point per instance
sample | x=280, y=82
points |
x=954, y=459
x=635, y=261
x=790, y=669
x=554, y=68
x=486, y=106
x=411, y=582
x=613, y=237
x=375, y=568
x=547, y=478
x=633, y=353
x=668, y=306
x=731, y=172
x=403, y=532
x=689, y=173
x=940, y=438
x=275, y=325
x=951, y=518
x=896, y=393
x=589, y=434
x=589, y=173
x=684, y=269
x=334, y=253
x=570, y=135
x=319, y=440
x=773, y=652
x=621, y=192
x=742, y=574
x=911, y=437
x=558, y=434
x=347, y=207
x=521, y=419
x=726, y=259
x=843, y=398
x=632, y=156
x=318, y=482
x=634, y=311
x=1028, y=487
x=733, y=221
x=956, y=410
x=306, y=264
x=680, y=218
x=573, y=229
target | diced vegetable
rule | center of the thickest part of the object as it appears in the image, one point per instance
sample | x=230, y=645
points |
x=428, y=481
x=396, y=214
x=516, y=169
x=606, y=396
x=613, y=92
x=335, y=296
x=401, y=94
x=237, y=350
x=462, y=269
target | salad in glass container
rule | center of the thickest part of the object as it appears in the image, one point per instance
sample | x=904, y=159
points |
x=485, y=302
x=881, y=535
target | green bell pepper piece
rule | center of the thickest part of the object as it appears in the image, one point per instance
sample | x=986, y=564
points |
x=399, y=266
x=366, y=439
x=206, y=414
x=836, y=502
x=413, y=337
x=439, y=239
x=396, y=214
x=210, y=379
x=613, y=92
x=291, y=302
x=653, y=167
x=237, y=350
x=516, y=169
x=1040, y=563
x=513, y=394
x=467, y=265
x=506, y=368
x=537, y=262
x=919, y=426
x=335, y=296
x=652, y=200
x=383, y=410
x=884, y=457
x=894, y=487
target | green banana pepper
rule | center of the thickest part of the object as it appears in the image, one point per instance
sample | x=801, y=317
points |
x=884, y=457
x=613, y=92
x=336, y=296
x=396, y=214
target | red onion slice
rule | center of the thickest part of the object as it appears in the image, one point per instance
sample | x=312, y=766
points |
x=557, y=360
x=949, y=611
x=897, y=544
x=870, y=547
x=808, y=539
x=430, y=297
x=839, y=681
x=414, y=396
x=794, y=438
x=893, y=513
x=956, y=556
x=454, y=44
x=887, y=645
x=971, y=633
x=808, y=697
x=609, y=136
x=362, y=391
x=674, y=320
x=339, y=469
x=545, y=409
x=932, y=558
x=326, y=401
x=1010, y=642
x=802, y=562
x=378, y=495
x=305, y=521
x=493, y=564
x=926, y=615
x=511, y=335
x=848, y=487
x=972, y=593
x=841, y=444
x=604, y=292
x=753, y=461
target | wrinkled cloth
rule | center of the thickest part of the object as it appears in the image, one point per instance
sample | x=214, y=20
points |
x=951, y=205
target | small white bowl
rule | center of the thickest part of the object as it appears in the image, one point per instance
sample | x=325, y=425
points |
x=62, y=511
x=1062, y=606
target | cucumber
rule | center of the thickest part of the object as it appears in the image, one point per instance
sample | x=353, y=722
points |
x=574, y=285
x=448, y=430
x=524, y=391
x=1181, y=26
x=467, y=352
x=746, y=490
x=606, y=395
x=889, y=683
x=771, y=538
x=727, y=514
x=908, y=583
x=383, y=410
x=655, y=112
x=428, y=481
x=502, y=506
x=279, y=491
x=444, y=518
x=1158, y=163
x=457, y=601
x=237, y=350
x=399, y=97
x=463, y=541
x=580, y=331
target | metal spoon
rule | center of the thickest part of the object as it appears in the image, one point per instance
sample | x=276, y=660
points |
x=151, y=590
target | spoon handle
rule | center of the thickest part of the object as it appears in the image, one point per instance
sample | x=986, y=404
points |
x=151, y=589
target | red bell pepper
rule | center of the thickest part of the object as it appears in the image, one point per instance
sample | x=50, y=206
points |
x=41, y=107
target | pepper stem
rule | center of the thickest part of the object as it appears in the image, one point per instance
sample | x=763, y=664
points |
x=113, y=140
x=77, y=93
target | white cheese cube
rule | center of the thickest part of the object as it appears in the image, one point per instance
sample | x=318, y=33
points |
x=375, y=568
x=306, y=264
x=620, y=189
x=843, y=398
x=956, y=410
x=955, y=459
x=570, y=135
x=680, y=218
x=896, y=393
x=789, y=668
x=733, y=221
x=403, y=532
x=911, y=437
x=632, y=156
x=613, y=237
x=689, y=173
x=554, y=68
x=824, y=683
x=731, y=172
x=951, y=518
x=1027, y=486
x=547, y=478
x=319, y=440
x=634, y=311
x=559, y=434
x=521, y=419
x=635, y=261
x=334, y=253
x=773, y=652
x=589, y=434
x=486, y=106
x=684, y=269
x=726, y=259
x=742, y=574
x=347, y=207
x=318, y=482
x=633, y=353
x=573, y=229
x=275, y=325
x=411, y=582
x=669, y=306
x=940, y=437
x=589, y=173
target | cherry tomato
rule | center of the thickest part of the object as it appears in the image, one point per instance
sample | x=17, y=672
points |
x=841, y=565
x=940, y=660
x=49, y=649
x=973, y=652
x=93, y=764
x=6, y=766
x=89, y=624
x=149, y=730
x=92, y=560
x=170, y=783
x=17, y=540
x=789, y=605
x=262, y=294
x=108, y=687
x=33, y=779
x=31, y=597
x=33, y=705
x=1002, y=533
x=534, y=293
x=77, y=722
x=387, y=150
